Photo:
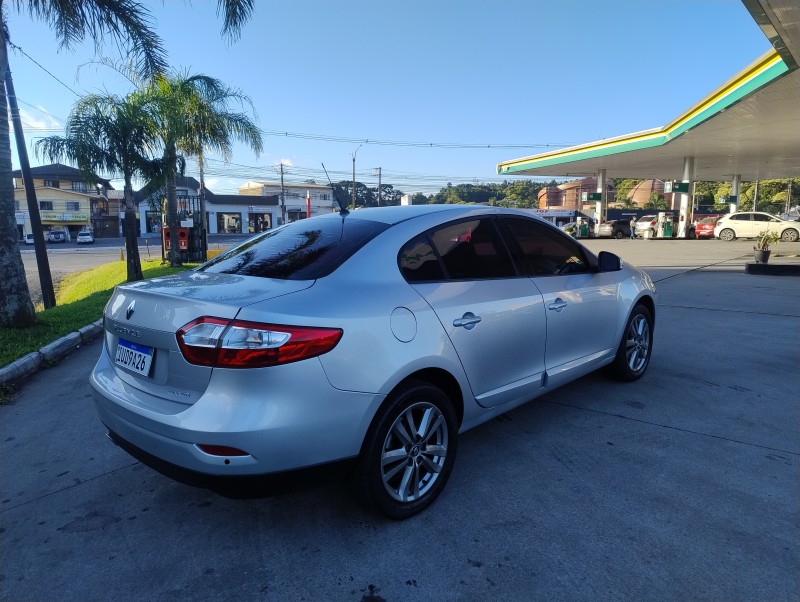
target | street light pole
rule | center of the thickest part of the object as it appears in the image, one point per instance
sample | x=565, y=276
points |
x=354, y=176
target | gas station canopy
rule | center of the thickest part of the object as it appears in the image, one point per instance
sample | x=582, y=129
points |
x=749, y=126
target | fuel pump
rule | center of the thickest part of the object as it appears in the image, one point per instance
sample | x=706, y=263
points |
x=664, y=225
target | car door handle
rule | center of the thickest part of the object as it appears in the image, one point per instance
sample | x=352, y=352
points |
x=468, y=321
x=557, y=305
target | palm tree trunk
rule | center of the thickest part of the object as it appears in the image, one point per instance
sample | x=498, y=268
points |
x=16, y=307
x=171, y=157
x=134, y=263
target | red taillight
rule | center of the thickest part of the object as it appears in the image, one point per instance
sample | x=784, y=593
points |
x=216, y=342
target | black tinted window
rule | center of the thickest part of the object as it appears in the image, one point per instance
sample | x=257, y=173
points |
x=472, y=250
x=545, y=251
x=302, y=250
x=418, y=261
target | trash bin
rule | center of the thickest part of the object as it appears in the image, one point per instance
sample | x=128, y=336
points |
x=584, y=230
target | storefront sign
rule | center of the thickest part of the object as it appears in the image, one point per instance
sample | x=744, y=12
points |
x=63, y=217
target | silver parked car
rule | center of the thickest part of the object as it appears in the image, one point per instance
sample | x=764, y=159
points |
x=376, y=336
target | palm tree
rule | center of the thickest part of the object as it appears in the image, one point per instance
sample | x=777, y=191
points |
x=193, y=114
x=127, y=23
x=113, y=135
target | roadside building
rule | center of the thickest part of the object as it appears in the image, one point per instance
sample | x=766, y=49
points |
x=571, y=195
x=298, y=200
x=67, y=201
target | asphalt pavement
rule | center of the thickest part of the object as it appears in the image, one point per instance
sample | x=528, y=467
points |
x=681, y=486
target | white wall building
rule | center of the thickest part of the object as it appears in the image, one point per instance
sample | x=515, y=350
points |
x=296, y=198
x=256, y=208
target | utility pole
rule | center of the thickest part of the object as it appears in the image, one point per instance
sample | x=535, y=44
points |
x=378, y=169
x=354, y=176
x=283, y=204
x=203, y=224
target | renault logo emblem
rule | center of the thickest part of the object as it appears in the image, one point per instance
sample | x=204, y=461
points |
x=130, y=310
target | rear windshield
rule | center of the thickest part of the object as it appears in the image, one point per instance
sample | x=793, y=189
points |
x=302, y=250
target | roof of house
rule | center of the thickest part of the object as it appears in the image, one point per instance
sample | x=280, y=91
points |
x=59, y=171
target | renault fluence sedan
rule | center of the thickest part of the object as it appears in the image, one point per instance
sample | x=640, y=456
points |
x=377, y=336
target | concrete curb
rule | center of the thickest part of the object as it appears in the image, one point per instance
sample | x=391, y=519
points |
x=773, y=269
x=31, y=363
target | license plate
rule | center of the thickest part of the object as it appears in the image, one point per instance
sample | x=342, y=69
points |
x=133, y=357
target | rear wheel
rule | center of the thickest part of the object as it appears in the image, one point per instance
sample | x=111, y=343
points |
x=409, y=451
x=618, y=234
x=727, y=235
x=633, y=354
x=789, y=235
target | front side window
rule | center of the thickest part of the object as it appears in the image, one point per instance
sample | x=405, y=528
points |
x=544, y=251
x=742, y=217
x=302, y=250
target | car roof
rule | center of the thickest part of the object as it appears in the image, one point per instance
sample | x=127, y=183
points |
x=397, y=214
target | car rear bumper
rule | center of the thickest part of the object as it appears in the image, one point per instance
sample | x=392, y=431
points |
x=282, y=421
x=237, y=486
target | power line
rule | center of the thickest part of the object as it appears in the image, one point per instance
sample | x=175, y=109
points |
x=347, y=140
x=35, y=62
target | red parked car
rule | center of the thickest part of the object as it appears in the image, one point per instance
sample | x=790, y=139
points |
x=705, y=227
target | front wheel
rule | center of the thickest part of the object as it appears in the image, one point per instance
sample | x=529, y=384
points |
x=636, y=346
x=619, y=234
x=409, y=451
x=789, y=235
x=727, y=235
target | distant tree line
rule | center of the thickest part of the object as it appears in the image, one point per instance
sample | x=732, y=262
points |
x=714, y=196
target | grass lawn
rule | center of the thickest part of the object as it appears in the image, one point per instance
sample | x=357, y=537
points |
x=80, y=299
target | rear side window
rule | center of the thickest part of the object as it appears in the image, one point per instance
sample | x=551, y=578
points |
x=469, y=250
x=544, y=251
x=303, y=250
x=419, y=262
x=473, y=250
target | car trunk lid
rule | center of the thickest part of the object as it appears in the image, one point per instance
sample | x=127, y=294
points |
x=141, y=320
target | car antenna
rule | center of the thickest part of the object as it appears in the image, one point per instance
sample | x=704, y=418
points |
x=342, y=210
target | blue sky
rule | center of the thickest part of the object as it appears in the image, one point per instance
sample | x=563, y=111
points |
x=459, y=72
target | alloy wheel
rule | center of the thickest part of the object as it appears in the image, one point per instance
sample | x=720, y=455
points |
x=414, y=452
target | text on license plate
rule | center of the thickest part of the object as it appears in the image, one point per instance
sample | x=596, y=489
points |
x=134, y=357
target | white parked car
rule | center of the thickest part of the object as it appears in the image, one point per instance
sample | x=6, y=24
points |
x=85, y=237
x=747, y=224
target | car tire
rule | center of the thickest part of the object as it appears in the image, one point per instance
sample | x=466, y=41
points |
x=789, y=235
x=409, y=451
x=727, y=235
x=618, y=234
x=636, y=346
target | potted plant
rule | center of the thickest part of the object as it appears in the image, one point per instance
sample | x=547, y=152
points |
x=764, y=240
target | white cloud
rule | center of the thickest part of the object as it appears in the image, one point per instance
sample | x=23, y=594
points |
x=42, y=121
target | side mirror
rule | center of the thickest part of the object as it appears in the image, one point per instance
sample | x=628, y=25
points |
x=608, y=262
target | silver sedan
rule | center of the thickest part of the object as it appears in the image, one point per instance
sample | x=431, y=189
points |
x=375, y=337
